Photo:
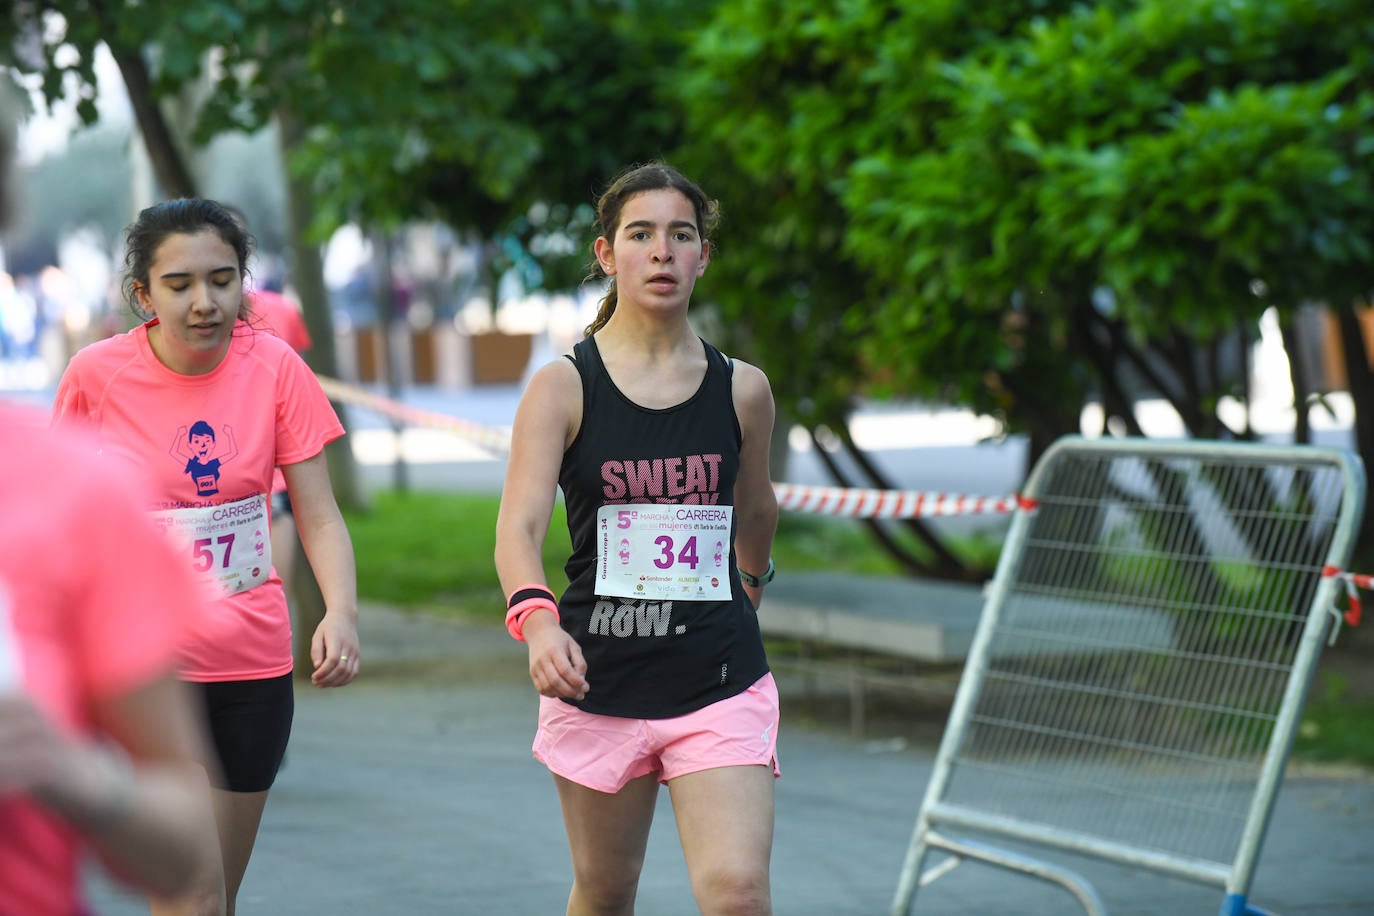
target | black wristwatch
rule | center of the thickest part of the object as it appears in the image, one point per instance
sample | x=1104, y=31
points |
x=758, y=581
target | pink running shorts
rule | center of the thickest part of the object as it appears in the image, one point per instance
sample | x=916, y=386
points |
x=606, y=752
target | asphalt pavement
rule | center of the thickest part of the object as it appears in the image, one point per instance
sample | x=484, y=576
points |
x=412, y=791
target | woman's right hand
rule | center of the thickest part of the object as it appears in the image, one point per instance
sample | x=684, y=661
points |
x=557, y=667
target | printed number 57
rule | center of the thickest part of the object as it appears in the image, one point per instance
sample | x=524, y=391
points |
x=205, y=555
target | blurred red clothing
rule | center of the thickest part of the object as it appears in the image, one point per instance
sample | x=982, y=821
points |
x=276, y=313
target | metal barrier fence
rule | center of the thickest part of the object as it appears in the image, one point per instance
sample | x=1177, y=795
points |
x=1141, y=663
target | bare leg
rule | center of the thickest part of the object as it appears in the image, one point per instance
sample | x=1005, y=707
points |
x=607, y=835
x=207, y=902
x=725, y=823
x=237, y=815
x=210, y=899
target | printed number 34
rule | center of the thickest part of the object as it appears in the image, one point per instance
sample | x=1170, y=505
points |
x=687, y=556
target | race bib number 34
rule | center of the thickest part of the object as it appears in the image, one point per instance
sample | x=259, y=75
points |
x=227, y=545
x=677, y=552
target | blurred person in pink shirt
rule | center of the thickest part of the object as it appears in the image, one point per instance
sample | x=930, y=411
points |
x=205, y=408
x=100, y=745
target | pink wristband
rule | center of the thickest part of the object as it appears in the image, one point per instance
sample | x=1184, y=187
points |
x=523, y=602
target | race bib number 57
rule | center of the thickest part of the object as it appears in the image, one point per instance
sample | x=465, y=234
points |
x=228, y=545
x=675, y=552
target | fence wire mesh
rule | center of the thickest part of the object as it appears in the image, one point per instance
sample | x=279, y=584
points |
x=1151, y=617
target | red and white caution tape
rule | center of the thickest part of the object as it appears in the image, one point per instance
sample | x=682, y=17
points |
x=1353, y=583
x=494, y=439
x=839, y=501
x=888, y=504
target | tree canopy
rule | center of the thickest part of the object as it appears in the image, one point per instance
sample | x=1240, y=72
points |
x=963, y=190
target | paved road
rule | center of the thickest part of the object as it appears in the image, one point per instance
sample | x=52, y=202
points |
x=413, y=792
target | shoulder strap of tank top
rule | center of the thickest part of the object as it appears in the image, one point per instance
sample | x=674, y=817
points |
x=720, y=359
x=587, y=360
x=584, y=357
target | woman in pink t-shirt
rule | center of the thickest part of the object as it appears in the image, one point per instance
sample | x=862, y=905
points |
x=205, y=408
x=100, y=746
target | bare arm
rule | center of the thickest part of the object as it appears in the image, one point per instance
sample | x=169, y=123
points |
x=334, y=648
x=756, y=504
x=545, y=423
x=148, y=814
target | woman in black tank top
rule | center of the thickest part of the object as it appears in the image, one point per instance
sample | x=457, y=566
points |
x=650, y=665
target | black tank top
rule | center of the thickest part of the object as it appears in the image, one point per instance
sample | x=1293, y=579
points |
x=654, y=659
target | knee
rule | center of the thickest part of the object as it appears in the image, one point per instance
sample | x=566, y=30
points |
x=605, y=890
x=734, y=891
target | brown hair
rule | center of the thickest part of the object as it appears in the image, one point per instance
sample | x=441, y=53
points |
x=653, y=176
x=180, y=216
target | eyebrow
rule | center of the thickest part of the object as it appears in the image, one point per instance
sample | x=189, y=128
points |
x=675, y=224
x=183, y=274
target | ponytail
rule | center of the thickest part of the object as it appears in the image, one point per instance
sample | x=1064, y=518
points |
x=604, y=313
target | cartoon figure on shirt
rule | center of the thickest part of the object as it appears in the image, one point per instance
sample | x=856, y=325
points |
x=198, y=448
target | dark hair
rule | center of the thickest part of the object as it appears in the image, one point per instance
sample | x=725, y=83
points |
x=653, y=176
x=181, y=216
x=200, y=428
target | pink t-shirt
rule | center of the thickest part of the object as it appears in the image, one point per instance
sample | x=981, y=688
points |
x=94, y=603
x=207, y=446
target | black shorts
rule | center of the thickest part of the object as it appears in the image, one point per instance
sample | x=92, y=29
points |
x=249, y=724
x=281, y=504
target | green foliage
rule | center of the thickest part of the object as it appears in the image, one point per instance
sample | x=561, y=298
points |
x=783, y=101
x=1001, y=204
x=468, y=110
x=595, y=102
x=388, y=94
x=434, y=550
x=1335, y=728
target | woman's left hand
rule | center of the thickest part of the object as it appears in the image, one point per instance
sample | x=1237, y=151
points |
x=335, y=651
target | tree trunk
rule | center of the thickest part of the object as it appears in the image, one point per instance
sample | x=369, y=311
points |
x=169, y=166
x=1360, y=381
x=307, y=273
x=388, y=308
x=947, y=564
x=908, y=560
